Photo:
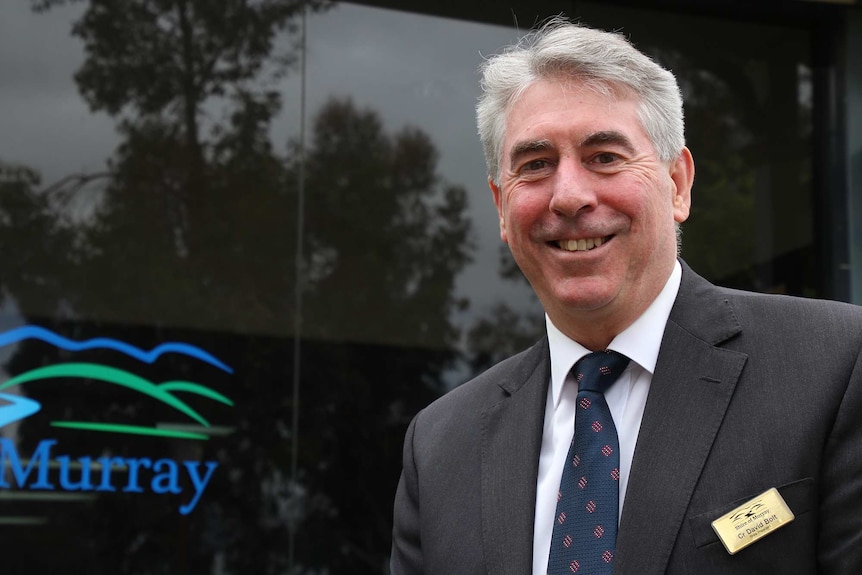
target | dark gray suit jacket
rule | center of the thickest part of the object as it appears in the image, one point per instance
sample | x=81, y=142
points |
x=750, y=392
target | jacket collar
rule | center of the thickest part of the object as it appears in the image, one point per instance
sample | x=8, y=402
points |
x=511, y=433
x=690, y=391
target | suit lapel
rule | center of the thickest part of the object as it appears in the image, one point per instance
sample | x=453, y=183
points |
x=511, y=442
x=689, y=394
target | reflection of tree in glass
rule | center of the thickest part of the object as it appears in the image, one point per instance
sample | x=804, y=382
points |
x=387, y=239
x=721, y=128
x=197, y=227
x=748, y=126
x=29, y=225
x=380, y=219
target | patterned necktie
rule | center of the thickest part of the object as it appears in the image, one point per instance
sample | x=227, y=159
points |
x=585, y=526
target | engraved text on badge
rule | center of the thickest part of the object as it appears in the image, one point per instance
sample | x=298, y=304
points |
x=752, y=520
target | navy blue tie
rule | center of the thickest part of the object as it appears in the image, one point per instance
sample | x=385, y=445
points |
x=585, y=526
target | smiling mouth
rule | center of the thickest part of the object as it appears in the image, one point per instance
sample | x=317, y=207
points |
x=583, y=245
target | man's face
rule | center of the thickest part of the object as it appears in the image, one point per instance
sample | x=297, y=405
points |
x=587, y=207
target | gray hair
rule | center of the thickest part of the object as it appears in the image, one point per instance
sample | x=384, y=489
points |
x=605, y=61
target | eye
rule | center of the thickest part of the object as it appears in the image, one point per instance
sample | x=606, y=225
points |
x=605, y=158
x=535, y=165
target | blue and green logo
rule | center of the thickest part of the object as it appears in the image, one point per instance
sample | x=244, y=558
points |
x=100, y=474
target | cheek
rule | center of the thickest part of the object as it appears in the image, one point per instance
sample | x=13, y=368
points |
x=519, y=211
x=653, y=197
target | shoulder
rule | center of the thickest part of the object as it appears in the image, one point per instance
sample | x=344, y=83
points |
x=704, y=308
x=781, y=332
x=461, y=408
x=803, y=316
x=492, y=385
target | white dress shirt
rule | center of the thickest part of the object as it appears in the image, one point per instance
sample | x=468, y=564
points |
x=626, y=399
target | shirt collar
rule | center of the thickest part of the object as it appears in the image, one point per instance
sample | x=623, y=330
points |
x=640, y=341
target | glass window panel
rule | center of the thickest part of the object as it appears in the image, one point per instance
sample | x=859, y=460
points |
x=148, y=222
x=152, y=192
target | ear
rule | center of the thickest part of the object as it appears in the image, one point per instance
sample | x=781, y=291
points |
x=498, y=201
x=682, y=175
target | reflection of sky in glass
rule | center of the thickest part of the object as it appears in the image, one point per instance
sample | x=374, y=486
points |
x=410, y=69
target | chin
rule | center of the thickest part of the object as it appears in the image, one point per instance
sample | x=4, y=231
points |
x=582, y=300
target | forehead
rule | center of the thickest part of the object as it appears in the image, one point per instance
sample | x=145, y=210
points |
x=566, y=108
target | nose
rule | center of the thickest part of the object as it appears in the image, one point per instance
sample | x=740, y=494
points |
x=574, y=189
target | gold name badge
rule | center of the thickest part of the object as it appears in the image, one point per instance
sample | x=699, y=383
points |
x=752, y=521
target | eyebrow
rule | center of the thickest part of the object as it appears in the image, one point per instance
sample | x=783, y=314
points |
x=528, y=147
x=611, y=137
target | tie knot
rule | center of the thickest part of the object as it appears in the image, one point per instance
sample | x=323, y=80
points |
x=598, y=370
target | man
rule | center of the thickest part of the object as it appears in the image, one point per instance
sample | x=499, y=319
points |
x=723, y=395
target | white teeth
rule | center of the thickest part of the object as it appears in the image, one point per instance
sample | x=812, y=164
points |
x=580, y=245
